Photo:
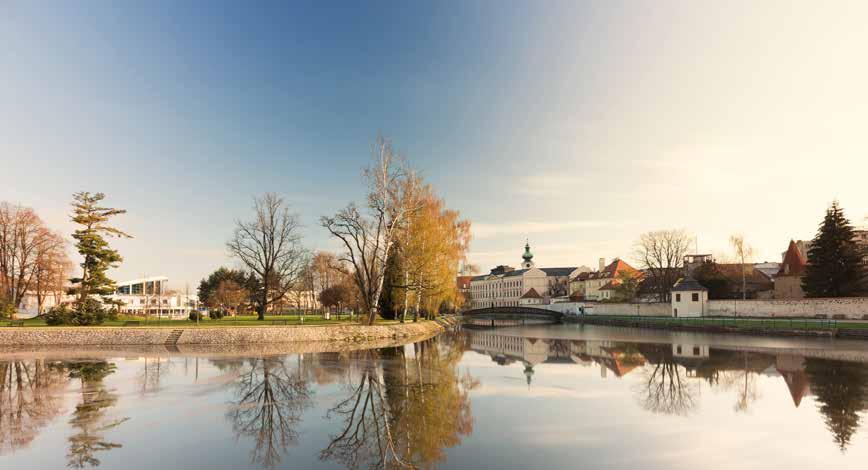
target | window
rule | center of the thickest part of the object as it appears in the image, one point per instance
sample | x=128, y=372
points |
x=678, y=349
x=678, y=297
x=696, y=350
x=695, y=297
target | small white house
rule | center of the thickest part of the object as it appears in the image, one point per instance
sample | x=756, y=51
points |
x=689, y=298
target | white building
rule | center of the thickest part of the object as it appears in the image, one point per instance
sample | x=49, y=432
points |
x=152, y=297
x=504, y=286
x=689, y=298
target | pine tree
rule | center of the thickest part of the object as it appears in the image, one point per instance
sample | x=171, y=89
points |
x=834, y=260
x=91, y=244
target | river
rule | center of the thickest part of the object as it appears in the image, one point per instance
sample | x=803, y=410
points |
x=565, y=396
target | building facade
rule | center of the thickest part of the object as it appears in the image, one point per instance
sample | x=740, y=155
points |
x=601, y=284
x=504, y=286
x=689, y=298
x=150, y=296
x=788, y=282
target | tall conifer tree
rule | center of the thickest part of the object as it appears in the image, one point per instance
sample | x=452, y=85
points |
x=91, y=244
x=835, y=266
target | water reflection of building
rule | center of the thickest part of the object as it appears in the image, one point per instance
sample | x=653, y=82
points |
x=506, y=349
x=697, y=361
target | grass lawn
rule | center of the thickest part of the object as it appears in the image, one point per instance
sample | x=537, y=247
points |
x=241, y=320
x=732, y=322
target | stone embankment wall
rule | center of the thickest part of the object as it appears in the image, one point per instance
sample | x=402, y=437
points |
x=127, y=336
x=844, y=307
x=595, y=308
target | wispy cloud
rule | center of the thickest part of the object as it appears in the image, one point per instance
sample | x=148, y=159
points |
x=485, y=230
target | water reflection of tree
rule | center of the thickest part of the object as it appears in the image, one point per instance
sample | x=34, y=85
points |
x=840, y=390
x=152, y=374
x=269, y=401
x=30, y=397
x=664, y=387
x=89, y=416
x=743, y=381
x=402, y=412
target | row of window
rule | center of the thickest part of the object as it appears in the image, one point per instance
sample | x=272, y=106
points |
x=694, y=297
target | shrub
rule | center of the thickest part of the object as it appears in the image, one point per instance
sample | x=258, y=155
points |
x=195, y=315
x=89, y=312
x=58, y=315
x=216, y=314
x=6, y=308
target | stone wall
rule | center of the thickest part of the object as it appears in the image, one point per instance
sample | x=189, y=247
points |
x=30, y=336
x=596, y=308
x=848, y=307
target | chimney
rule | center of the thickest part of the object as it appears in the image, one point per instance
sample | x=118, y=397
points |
x=602, y=264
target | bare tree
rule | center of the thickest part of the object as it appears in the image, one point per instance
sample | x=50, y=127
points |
x=662, y=253
x=51, y=270
x=368, y=238
x=270, y=246
x=23, y=240
x=743, y=252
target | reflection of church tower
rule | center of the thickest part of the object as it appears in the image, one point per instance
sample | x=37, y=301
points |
x=527, y=257
x=528, y=372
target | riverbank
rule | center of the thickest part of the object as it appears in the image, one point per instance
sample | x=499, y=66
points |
x=744, y=326
x=144, y=336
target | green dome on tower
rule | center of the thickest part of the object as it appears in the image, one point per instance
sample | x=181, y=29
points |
x=527, y=256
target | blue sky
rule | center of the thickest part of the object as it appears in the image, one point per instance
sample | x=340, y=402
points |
x=577, y=125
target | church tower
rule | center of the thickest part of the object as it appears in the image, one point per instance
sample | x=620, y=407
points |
x=527, y=257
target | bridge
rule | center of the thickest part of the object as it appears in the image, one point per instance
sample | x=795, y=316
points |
x=511, y=316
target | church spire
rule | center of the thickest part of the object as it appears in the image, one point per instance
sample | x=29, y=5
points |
x=527, y=257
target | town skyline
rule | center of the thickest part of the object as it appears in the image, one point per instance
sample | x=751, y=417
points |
x=639, y=122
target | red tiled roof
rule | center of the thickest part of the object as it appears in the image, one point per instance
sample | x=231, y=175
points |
x=613, y=270
x=464, y=282
x=531, y=294
x=794, y=261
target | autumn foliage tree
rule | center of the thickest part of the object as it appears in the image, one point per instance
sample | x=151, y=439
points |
x=433, y=244
x=30, y=257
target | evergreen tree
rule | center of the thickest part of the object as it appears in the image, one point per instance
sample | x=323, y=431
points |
x=91, y=244
x=839, y=388
x=834, y=260
x=208, y=287
x=393, y=281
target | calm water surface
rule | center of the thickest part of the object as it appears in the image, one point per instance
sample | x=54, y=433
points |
x=544, y=397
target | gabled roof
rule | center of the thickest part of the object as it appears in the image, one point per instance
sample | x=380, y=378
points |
x=794, y=261
x=753, y=276
x=611, y=285
x=520, y=272
x=558, y=271
x=688, y=284
x=613, y=270
x=531, y=294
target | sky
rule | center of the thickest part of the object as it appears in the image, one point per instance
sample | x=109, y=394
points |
x=574, y=125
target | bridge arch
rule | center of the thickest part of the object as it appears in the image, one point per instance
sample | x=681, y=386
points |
x=511, y=316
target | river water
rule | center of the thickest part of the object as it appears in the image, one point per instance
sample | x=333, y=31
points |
x=566, y=396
